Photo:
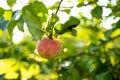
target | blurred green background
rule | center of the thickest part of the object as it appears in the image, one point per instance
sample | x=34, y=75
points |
x=90, y=49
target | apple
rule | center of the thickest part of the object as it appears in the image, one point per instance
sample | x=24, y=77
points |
x=49, y=48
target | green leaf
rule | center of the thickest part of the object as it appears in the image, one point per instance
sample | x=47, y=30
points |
x=103, y=76
x=118, y=24
x=1, y=11
x=15, y=13
x=68, y=26
x=33, y=23
x=58, y=28
x=4, y=23
x=66, y=10
x=1, y=77
x=73, y=32
x=97, y=12
x=11, y=2
x=39, y=9
x=75, y=74
x=71, y=23
x=11, y=27
x=80, y=3
x=20, y=24
x=54, y=18
x=54, y=6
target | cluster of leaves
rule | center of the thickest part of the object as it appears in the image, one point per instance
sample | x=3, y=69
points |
x=89, y=50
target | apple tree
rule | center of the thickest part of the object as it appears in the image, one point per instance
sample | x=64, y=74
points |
x=67, y=40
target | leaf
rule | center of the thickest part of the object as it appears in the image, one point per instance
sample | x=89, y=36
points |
x=1, y=77
x=66, y=10
x=80, y=3
x=20, y=23
x=58, y=28
x=68, y=26
x=97, y=12
x=39, y=9
x=74, y=32
x=7, y=15
x=54, y=18
x=11, y=2
x=118, y=24
x=15, y=13
x=103, y=76
x=33, y=23
x=54, y=6
x=71, y=23
x=5, y=22
x=1, y=11
x=11, y=27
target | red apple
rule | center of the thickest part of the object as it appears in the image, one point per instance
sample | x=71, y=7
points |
x=49, y=48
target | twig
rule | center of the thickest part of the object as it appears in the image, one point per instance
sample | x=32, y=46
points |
x=52, y=26
x=58, y=7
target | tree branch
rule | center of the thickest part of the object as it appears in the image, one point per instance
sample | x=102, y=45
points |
x=58, y=7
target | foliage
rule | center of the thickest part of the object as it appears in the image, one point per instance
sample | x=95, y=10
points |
x=90, y=51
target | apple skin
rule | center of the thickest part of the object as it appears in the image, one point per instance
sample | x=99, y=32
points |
x=49, y=48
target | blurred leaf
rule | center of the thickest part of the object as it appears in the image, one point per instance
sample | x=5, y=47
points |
x=33, y=23
x=67, y=10
x=74, y=32
x=71, y=23
x=5, y=22
x=115, y=33
x=11, y=27
x=1, y=32
x=15, y=13
x=1, y=77
x=7, y=15
x=75, y=74
x=54, y=6
x=97, y=12
x=80, y=3
x=20, y=24
x=1, y=11
x=103, y=76
x=54, y=18
x=88, y=64
x=11, y=2
x=118, y=24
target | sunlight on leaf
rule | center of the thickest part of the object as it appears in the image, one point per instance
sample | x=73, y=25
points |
x=84, y=35
x=109, y=45
x=11, y=75
x=116, y=33
x=101, y=35
x=54, y=76
x=112, y=59
x=7, y=15
x=0, y=32
x=29, y=72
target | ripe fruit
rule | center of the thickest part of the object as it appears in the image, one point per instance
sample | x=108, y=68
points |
x=49, y=48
